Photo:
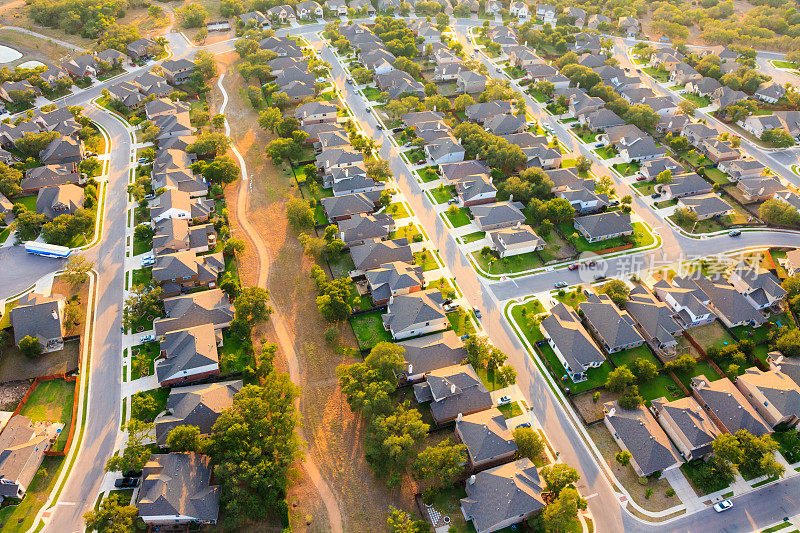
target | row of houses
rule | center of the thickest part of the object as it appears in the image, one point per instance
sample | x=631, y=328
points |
x=290, y=68
x=658, y=316
x=148, y=86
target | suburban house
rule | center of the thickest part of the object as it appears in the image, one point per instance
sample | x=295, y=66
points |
x=195, y=309
x=282, y=14
x=62, y=150
x=173, y=203
x=688, y=426
x=188, y=355
x=176, y=235
x=775, y=395
x=445, y=149
x=629, y=25
x=23, y=444
x=515, y=240
x=655, y=318
x=180, y=271
x=770, y=92
x=503, y=496
x=505, y=124
x=706, y=206
x=760, y=188
x=520, y=10
x=453, y=391
x=703, y=86
x=584, y=201
x=141, y=49
x=50, y=176
x=309, y=9
x=483, y=111
x=729, y=305
x=415, y=313
x=596, y=20
x=41, y=317
x=178, y=71
x=718, y=151
x=475, y=190
x=636, y=431
x=430, y=352
x=339, y=208
x=253, y=18
x=727, y=406
x=689, y=184
x=81, y=66
x=372, y=254
x=761, y=288
x=195, y=405
x=686, y=299
x=316, y=112
x=615, y=329
x=488, y=439
x=759, y=124
x=571, y=343
x=176, y=490
x=359, y=228
x=604, y=226
x=739, y=169
x=788, y=365
x=393, y=279
x=497, y=215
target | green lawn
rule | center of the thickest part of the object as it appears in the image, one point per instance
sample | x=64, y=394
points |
x=4, y=234
x=712, y=334
x=696, y=159
x=627, y=357
x=522, y=315
x=52, y=401
x=788, y=444
x=537, y=95
x=660, y=386
x=142, y=276
x=510, y=410
x=507, y=265
x=571, y=298
x=443, y=193
x=710, y=225
x=785, y=64
x=665, y=203
x=585, y=134
x=147, y=410
x=606, y=152
x=695, y=471
x=19, y=518
x=397, y=210
x=460, y=322
x=596, y=377
x=659, y=75
x=28, y=201
x=341, y=265
x=150, y=350
x=408, y=231
x=645, y=187
x=444, y=287
x=427, y=174
x=627, y=169
x=236, y=353
x=371, y=93
x=716, y=175
x=701, y=367
x=472, y=237
x=699, y=101
x=426, y=260
x=369, y=329
x=458, y=217
x=141, y=246
x=412, y=156
x=515, y=72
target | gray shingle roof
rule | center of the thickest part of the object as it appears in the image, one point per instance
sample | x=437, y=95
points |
x=729, y=405
x=196, y=309
x=690, y=420
x=408, y=311
x=186, y=351
x=643, y=437
x=178, y=484
x=603, y=224
x=564, y=328
x=390, y=277
x=688, y=184
x=486, y=435
x=728, y=302
x=616, y=328
x=376, y=253
x=705, y=204
x=500, y=214
x=196, y=405
x=431, y=352
x=655, y=317
x=38, y=316
x=507, y=492
x=453, y=390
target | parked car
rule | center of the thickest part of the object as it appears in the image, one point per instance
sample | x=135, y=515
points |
x=465, y=337
x=147, y=338
x=504, y=400
x=590, y=263
x=723, y=506
x=452, y=201
x=599, y=277
x=641, y=178
x=655, y=195
x=380, y=127
x=148, y=260
x=142, y=160
x=477, y=312
x=369, y=110
x=560, y=284
x=734, y=233
x=132, y=473
x=126, y=482
x=421, y=162
x=574, y=266
x=524, y=425
x=451, y=307
x=350, y=81
x=613, y=203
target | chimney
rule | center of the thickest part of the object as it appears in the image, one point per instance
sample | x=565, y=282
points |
x=459, y=417
x=410, y=369
x=472, y=479
x=453, y=388
x=612, y=411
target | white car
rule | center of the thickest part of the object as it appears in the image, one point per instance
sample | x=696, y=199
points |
x=451, y=307
x=148, y=260
x=504, y=400
x=723, y=506
x=147, y=338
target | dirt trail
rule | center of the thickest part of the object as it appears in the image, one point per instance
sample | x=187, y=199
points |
x=333, y=434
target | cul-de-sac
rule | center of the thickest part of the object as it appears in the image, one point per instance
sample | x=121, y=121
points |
x=451, y=266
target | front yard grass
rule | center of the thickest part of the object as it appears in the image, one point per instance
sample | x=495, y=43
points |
x=716, y=175
x=458, y=217
x=369, y=330
x=507, y=265
x=627, y=169
x=141, y=246
x=426, y=260
x=428, y=174
x=51, y=401
x=142, y=276
x=641, y=237
x=695, y=471
x=696, y=159
x=606, y=152
x=460, y=322
x=660, y=75
x=699, y=101
x=665, y=203
x=152, y=402
x=571, y=298
x=371, y=93
x=510, y=410
x=397, y=210
x=646, y=188
x=408, y=232
x=28, y=201
x=148, y=351
x=19, y=518
x=472, y=237
x=443, y=193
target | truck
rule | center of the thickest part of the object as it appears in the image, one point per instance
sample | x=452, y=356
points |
x=47, y=250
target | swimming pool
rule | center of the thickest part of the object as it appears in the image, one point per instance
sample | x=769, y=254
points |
x=7, y=55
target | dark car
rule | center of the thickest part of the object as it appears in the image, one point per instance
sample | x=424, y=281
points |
x=599, y=277
x=132, y=473
x=524, y=425
x=655, y=195
x=126, y=483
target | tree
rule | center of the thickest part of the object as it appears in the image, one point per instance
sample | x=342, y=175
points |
x=545, y=87
x=32, y=143
x=208, y=143
x=10, y=179
x=788, y=342
x=143, y=301
x=644, y=369
x=558, y=476
x=135, y=454
x=774, y=211
x=623, y=457
x=76, y=269
x=687, y=107
x=254, y=445
x=529, y=443
x=664, y=177
x=560, y=515
x=30, y=346
x=269, y=118
x=401, y=522
x=111, y=517
x=778, y=137
x=192, y=15
x=233, y=246
x=443, y=463
x=619, y=379
x=505, y=376
x=642, y=116
x=630, y=398
x=367, y=385
x=391, y=439
x=184, y=438
x=617, y=290
x=221, y=171
x=478, y=350
x=407, y=65
x=378, y=169
x=283, y=149
x=462, y=101
x=685, y=217
x=362, y=75
x=251, y=305
x=583, y=164
x=299, y=213
x=682, y=363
